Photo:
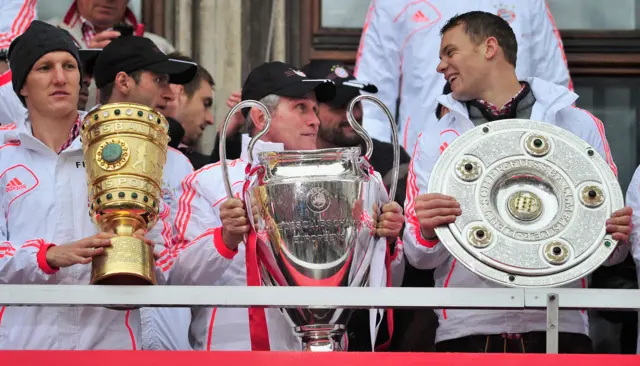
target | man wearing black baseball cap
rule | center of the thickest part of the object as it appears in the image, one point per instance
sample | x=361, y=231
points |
x=135, y=69
x=335, y=131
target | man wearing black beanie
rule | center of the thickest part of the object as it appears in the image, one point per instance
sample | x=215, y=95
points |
x=39, y=39
x=46, y=237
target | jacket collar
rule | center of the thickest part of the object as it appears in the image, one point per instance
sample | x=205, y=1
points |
x=24, y=133
x=260, y=146
x=550, y=98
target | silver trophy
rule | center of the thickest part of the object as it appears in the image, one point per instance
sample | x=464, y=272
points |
x=313, y=214
x=534, y=200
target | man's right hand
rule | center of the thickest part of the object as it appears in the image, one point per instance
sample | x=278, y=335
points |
x=79, y=252
x=234, y=222
x=102, y=39
x=433, y=210
x=238, y=119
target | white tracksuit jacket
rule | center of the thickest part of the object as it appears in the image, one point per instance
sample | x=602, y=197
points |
x=399, y=53
x=198, y=212
x=15, y=17
x=553, y=105
x=44, y=200
x=633, y=201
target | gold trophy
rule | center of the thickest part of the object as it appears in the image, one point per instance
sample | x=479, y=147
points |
x=125, y=149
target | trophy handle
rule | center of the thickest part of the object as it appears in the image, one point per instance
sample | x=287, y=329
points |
x=223, y=138
x=369, y=143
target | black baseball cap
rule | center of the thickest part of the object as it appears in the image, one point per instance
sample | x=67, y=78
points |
x=133, y=53
x=88, y=57
x=282, y=79
x=347, y=87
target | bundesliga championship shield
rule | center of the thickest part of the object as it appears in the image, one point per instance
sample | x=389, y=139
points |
x=534, y=200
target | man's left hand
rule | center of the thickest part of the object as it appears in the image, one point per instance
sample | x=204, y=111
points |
x=620, y=224
x=390, y=222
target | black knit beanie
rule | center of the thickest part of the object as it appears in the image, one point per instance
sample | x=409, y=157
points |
x=38, y=40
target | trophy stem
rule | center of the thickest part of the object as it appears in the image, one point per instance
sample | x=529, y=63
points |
x=322, y=337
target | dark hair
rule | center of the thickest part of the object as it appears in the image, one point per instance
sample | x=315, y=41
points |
x=107, y=90
x=480, y=25
x=191, y=87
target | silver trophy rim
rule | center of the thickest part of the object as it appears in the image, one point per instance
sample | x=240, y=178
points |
x=446, y=234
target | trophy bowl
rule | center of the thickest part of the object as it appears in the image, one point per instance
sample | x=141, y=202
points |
x=125, y=148
x=534, y=200
x=313, y=213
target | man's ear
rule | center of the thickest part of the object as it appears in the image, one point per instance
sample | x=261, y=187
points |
x=491, y=48
x=123, y=83
x=258, y=119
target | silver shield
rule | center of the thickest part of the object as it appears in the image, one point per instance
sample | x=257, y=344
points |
x=534, y=200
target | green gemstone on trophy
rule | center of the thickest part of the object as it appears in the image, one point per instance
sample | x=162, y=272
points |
x=112, y=153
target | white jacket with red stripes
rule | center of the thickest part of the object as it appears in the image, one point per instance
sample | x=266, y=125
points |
x=553, y=105
x=399, y=51
x=43, y=202
x=15, y=18
x=230, y=328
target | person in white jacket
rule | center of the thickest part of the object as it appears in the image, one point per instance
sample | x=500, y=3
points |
x=398, y=52
x=478, y=58
x=46, y=235
x=292, y=99
x=15, y=17
x=633, y=200
x=131, y=69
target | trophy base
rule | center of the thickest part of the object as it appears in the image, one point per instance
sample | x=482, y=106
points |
x=128, y=261
x=322, y=337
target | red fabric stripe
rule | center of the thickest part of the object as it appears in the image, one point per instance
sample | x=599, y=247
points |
x=126, y=323
x=365, y=28
x=257, y=317
x=446, y=284
x=210, y=332
x=18, y=26
x=42, y=259
x=5, y=78
x=560, y=46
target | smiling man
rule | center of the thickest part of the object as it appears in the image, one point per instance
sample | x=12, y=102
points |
x=478, y=57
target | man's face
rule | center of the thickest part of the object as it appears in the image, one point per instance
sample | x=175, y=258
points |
x=84, y=91
x=102, y=13
x=294, y=123
x=463, y=64
x=53, y=84
x=153, y=90
x=194, y=114
x=335, y=128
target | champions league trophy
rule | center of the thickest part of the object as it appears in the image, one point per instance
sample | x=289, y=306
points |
x=534, y=200
x=312, y=213
x=125, y=149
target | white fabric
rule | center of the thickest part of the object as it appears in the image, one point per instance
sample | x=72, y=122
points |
x=11, y=109
x=199, y=208
x=15, y=17
x=40, y=186
x=399, y=52
x=553, y=105
x=633, y=201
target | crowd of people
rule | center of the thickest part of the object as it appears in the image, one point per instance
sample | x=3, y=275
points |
x=452, y=66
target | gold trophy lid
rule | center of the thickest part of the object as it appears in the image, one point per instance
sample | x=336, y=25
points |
x=125, y=111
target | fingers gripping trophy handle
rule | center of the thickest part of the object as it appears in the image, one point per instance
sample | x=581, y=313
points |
x=223, y=138
x=369, y=143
